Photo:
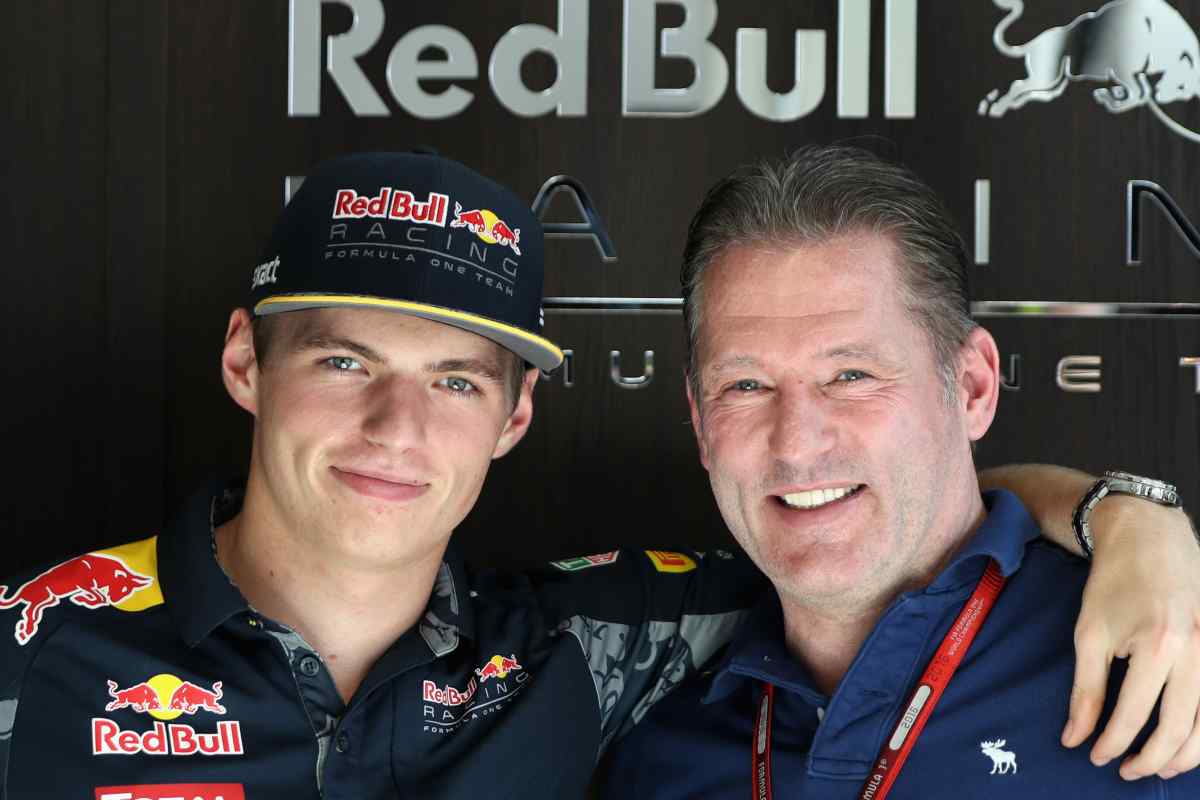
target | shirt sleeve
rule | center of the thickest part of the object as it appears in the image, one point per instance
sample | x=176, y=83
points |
x=16, y=656
x=645, y=620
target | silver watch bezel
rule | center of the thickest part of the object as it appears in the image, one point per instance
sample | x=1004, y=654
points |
x=1155, y=491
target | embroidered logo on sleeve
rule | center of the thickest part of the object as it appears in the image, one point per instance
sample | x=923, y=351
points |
x=666, y=561
x=1003, y=761
x=584, y=562
x=122, y=577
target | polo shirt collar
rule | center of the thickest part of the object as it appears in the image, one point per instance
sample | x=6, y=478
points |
x=200, y=597
x=759, y=652
x=198, y=593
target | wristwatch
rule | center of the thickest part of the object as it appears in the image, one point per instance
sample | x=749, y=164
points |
x=1118, y=483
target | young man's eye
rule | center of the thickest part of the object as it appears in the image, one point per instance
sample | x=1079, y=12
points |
x=343, y=363
x=459, y=385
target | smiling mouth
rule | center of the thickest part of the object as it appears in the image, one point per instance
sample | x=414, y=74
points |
x=816, y=498
x=390, y=488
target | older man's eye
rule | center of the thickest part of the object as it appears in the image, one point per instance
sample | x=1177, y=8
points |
x=851, y=375
x=745, y=385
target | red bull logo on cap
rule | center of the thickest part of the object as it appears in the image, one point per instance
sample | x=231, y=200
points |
x=165, y=697
x=391, y=203
x=121, y=577
x=497, y=667
x=484, y=223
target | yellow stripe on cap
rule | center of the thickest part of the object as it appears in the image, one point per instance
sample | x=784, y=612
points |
x=407, y=305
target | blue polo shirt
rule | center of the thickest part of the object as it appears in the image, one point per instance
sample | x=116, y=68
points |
x=1013, y=685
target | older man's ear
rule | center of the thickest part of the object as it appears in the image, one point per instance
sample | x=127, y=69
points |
x=978, y=382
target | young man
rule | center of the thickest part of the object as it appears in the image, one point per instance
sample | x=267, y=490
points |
x=837, y=383
x=314, y=633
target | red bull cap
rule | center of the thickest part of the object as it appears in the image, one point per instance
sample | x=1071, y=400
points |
x=413, y=233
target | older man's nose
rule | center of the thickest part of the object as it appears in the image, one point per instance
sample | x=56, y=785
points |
x=803, y=426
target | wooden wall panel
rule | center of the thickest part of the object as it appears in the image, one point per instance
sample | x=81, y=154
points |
x=149, y=145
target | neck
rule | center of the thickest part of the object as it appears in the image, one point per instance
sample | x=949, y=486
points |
x=314, y=596
x=826, y=635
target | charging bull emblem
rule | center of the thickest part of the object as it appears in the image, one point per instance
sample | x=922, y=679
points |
x=90, y=581
x=1144, y=50
x=484, y=223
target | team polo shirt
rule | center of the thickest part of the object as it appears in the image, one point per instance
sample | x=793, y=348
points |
x=995, y=733
x=141, y=672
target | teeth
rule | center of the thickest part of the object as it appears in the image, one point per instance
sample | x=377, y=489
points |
x=817, y=497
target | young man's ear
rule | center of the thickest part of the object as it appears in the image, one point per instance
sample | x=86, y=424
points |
x=239, y=364
x=518, y=421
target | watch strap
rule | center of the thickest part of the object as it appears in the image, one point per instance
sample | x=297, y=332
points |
x=1079, y=520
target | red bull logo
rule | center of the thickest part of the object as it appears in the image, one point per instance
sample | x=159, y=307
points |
x=497, y=667
x=141, y=697
x=93, y=581
x=484, y=223
x=391, y=203
x=1144, y=51
x=165, y=697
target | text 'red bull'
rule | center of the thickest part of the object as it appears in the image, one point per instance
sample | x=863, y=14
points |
x=391, y=203
x=108, y=738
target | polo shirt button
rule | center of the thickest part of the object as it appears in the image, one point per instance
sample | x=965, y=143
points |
x=343, y=743
x=310, y=666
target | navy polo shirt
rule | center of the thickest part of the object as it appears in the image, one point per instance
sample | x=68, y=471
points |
x=1011, y=691
x=140, y=672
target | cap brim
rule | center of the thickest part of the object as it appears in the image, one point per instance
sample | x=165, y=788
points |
x=540, y=352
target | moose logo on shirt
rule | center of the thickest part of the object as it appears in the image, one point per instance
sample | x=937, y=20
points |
x=1002, y=760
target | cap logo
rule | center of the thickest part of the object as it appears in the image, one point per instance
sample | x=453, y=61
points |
x=391, y=203
x=484, y=223
x=264, y=273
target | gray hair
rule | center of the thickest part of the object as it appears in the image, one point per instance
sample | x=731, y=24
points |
x=819, y=193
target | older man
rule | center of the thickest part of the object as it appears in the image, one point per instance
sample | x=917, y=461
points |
x=837, y=383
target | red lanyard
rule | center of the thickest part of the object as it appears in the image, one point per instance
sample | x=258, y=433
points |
x=920, y=704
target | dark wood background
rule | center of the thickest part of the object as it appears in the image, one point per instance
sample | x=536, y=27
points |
x=145, y=149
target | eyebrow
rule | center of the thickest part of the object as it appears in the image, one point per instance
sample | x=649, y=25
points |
x=485, y=368
x=324, y=341
x=732, y=363
x=856, y=350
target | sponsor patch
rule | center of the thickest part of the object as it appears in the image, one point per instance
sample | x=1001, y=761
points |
x=172, y=791
x=666, y=561
x=584, y=562
x=166, y=697
x=122, y=577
